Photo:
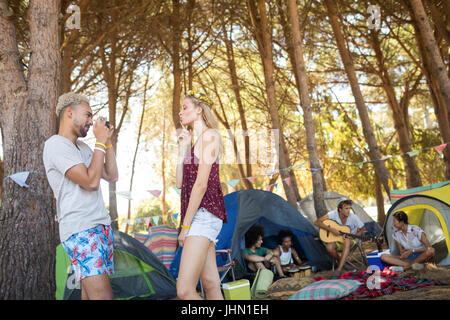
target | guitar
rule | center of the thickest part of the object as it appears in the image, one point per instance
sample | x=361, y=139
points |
x=327, y=236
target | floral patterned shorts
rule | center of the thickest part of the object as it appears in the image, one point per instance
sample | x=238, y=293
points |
x=91, y=252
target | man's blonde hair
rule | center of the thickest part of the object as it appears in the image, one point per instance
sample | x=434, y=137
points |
x=69, y=99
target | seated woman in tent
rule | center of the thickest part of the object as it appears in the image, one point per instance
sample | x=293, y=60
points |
x=289, y=258
x=258, y=257
x=413, y=245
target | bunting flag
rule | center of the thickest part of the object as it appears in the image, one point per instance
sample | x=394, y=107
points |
x=252, y=179
x=413, y=153
x=155, y=220
x=155, y=193
x=20, y=178
x=147, y=221
x=360, y=164
x=288, y=181
x=301, y=165
x=125, y=194
x=440, y=148
x=233, y=182
x=178, y=191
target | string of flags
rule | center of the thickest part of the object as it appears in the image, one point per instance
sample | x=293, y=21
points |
x=21, y=177
x=154, y=220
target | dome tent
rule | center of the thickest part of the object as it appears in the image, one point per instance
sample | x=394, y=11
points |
x=429, y=208
x=246, y=208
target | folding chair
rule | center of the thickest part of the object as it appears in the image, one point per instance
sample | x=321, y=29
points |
x=228, y=265
x=359, y=262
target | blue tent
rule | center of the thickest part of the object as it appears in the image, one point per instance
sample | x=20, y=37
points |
x=246, y=208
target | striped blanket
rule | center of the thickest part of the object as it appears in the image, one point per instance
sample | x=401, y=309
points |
x=141, y=236
x=162, y=241
x=387, y=283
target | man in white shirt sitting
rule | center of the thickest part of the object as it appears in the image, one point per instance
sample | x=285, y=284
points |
x=345, y=217
x=412, y=243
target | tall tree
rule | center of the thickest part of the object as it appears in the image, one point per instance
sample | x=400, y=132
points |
x=375, y=154
x=438, y=67
x=226, y=37
x=399, y=115
x=28, y=98
x=262, y=34
x=427, y=53
x=302, y=87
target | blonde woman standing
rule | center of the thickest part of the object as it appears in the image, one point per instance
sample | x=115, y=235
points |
x=202, y=204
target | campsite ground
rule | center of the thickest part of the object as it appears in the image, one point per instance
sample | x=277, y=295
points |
x=284, y=288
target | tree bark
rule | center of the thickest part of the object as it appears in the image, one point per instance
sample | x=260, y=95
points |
x=237, y=93
x=176, y=41
x=308, y=121
x=265, y=48
x=28, y=233
x=381, y=214
x=375, y=154
x=438, y=68
x=441, y=110
x=404, y=138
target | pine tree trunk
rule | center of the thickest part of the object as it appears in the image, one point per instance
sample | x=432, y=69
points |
x=374, y=151
x=302, y=87
x=28, y=231
x=438, y=68
x=404, y=138
x=441, y=110
x=237, y=93
x=265, y=48
x=176, y=41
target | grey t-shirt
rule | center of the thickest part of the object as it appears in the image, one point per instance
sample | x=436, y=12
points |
x=77, y=209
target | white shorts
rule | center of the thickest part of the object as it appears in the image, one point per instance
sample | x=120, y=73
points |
x=205, y=224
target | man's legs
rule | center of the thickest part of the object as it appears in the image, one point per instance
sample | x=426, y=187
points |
x=345, y=251
x=332, y=250
x=96, y=288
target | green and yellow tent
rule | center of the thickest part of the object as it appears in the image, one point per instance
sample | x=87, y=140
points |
x=429, y=208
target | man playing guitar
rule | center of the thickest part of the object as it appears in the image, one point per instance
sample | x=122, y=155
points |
x=345, y=217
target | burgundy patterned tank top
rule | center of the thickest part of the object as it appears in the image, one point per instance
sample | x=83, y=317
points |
x=213, y=198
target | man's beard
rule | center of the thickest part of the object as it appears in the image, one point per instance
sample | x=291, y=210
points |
x=83, y=130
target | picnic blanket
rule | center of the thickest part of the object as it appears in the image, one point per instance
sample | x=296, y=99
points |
x=386, y=282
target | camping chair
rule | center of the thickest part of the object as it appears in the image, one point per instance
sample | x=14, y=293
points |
x=228, y=265
x=356, y=261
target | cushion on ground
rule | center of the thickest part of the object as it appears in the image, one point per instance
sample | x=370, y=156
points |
x=327, y=290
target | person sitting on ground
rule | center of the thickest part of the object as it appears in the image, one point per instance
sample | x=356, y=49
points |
x=258, y=257
x=286, y=253
x=412, y=243
x=345, y=217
